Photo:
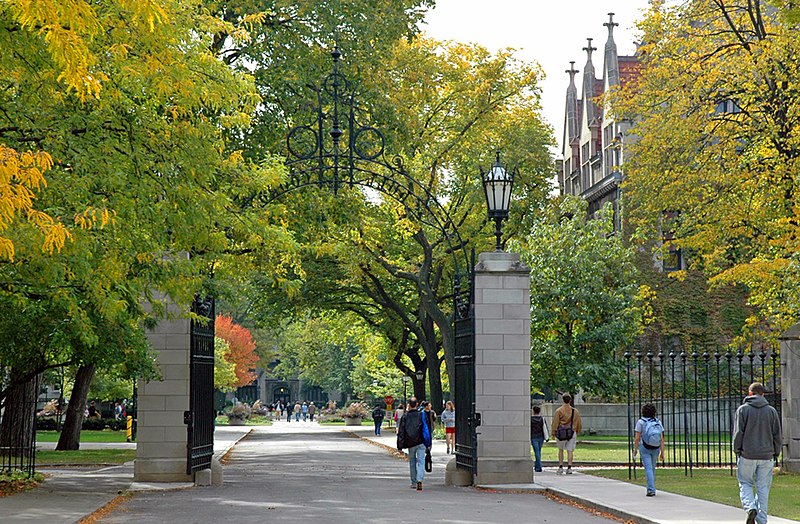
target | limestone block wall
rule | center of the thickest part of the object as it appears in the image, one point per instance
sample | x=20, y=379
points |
x=502, y=368
x=161, y=434
x=790, y=397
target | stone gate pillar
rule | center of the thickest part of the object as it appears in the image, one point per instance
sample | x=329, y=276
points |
x=503, y=369
x=790, y=398
x=161, y=436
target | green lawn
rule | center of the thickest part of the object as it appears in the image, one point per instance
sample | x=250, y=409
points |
x=341, y=423
x=86, y=436
x=84, y=457
x=617, y=452
x=717, y=485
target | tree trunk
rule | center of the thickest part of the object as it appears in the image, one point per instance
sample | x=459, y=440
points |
x=70, y=438
x=431, y=349
x=18, y=426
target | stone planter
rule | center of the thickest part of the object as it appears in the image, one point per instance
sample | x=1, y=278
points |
x=352, y=421
x=237, y=422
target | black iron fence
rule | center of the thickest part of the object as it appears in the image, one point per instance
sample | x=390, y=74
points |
x=18, y=429
x=696, y=396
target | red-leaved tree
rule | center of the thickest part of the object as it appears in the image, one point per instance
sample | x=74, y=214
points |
x=242, y=346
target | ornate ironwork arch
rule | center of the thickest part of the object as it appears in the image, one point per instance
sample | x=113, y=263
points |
x=337, y=151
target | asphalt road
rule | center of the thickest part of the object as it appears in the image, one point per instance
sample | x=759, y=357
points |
x=307, y=473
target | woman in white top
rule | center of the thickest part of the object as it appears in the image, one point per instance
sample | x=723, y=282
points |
x=398, y=414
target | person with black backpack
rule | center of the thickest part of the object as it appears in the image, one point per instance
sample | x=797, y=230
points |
x=649, y=441
x=377, y=416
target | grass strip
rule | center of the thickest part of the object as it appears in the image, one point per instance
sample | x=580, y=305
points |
x=715, y=485
x=84, y=457
x=86, y=436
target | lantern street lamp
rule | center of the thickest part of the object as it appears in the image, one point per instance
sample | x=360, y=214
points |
x=497, y=185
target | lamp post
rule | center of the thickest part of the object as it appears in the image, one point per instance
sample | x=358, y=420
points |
x=420, y=376
x=406, y=378
x=497, y=185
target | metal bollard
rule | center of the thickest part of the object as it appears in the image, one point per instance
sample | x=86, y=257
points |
x=129, y=429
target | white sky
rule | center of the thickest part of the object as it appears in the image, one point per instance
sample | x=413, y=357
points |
x=549, y=32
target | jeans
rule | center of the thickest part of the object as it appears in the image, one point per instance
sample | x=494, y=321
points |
x=311, y=417
x=755, y=473
x=305, y=417
x=378, y=423
x=649, y=460
x=416, y=463
x=537, y=443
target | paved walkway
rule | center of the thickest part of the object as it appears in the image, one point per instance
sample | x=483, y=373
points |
x=303, y=472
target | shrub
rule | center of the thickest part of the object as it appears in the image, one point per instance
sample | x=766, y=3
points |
x=46, y=424
x=114, y=424
x=239, y=411
x=93, y=424
x=355, y=410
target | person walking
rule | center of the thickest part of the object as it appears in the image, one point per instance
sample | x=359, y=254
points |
x=398, y=414
x=757, y=444
x=649, y=441
x=539, y=435
x=278, y=410
x=297, y=410
x=304, y=409
x=311, y=410
x=566, y=426
x=378, y=415
x=410, y=435
x=288, y=412
x=449, y=421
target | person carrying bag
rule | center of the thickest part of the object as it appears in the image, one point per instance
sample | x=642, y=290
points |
x=566, y=427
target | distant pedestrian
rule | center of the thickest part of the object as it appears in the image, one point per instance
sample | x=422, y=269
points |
x=449, y=421
x=398, y=414
x=297, y=410
x=304, y=409
x=430, y=414
x=278, y=410
x=117, y=411
x=757, y=444
x=378, y=415
x=539, y=435
x=92, y=411
x=566, y=427
x=649, y=441
x=288, y=412
x=410, y=435
x=311, y=410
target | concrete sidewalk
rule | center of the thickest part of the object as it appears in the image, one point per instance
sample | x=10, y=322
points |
x=618, y=498
x=68, y=495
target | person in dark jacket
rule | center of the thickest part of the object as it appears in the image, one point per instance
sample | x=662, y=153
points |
x=409, y=435
x=757, y=444
x=539, y=435
x=378, y=415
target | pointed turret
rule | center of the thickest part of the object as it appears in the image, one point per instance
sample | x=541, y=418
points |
x=611, y=62
x=571, y=114
x=589, y=84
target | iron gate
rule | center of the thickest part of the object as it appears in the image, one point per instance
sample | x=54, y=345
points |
x=696, y=396
x=199, y=419
x=467, y=421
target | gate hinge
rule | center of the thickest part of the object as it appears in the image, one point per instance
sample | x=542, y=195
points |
x=187, y=418
x=476, y=420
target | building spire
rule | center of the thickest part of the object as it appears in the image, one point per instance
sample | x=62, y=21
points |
x=611, y=24
x=610, y=60
x=572, y=72
x=589, y=49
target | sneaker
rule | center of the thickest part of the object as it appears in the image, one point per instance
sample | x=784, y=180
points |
x=651, y=493
x=448, y=451
x=569, y=470
x=751, y=516
x=413, y=486
x=560, y=471
x=419, y=486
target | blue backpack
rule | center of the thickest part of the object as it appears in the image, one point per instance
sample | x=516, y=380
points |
x=651, y=433
x=426, y=432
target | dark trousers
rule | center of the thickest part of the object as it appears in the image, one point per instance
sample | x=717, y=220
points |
x=378, y=424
